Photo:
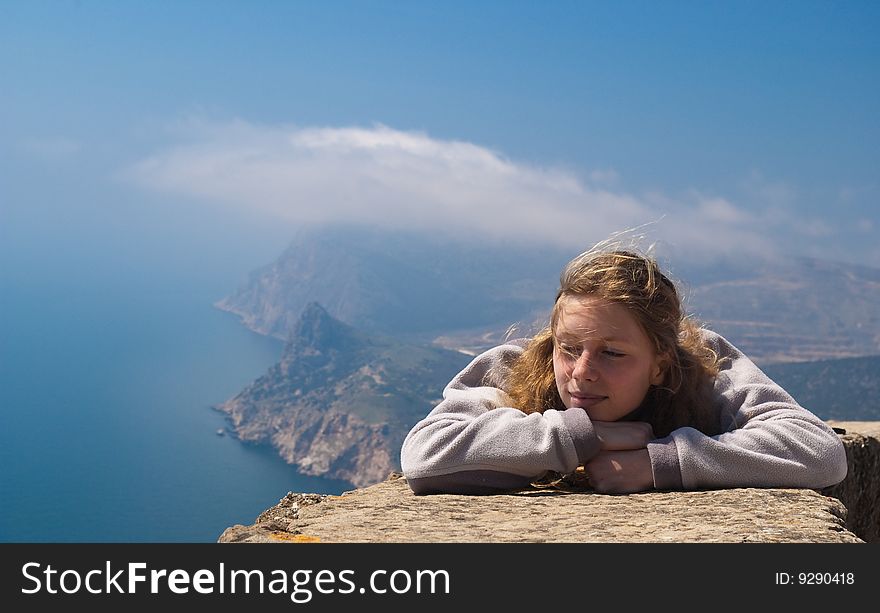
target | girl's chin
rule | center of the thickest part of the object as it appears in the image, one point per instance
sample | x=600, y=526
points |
x=597, y=413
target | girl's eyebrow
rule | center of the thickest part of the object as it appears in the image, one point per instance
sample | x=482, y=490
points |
x=617, y=340
x=614, y=340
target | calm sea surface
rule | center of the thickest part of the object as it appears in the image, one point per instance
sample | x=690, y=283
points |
x=106, y=430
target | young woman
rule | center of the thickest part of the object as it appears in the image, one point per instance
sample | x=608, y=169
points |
x=622, y=383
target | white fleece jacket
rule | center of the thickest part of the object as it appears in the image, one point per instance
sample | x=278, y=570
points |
x=475, y=442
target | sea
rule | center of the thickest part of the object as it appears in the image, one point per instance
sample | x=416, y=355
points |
x=107, y=431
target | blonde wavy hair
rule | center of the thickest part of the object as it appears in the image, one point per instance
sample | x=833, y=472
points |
x=635, y=282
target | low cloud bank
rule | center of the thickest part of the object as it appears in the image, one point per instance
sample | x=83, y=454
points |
x=392, y=179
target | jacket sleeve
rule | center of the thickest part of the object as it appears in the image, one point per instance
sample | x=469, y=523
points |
x=475, y=442
x=768, y=440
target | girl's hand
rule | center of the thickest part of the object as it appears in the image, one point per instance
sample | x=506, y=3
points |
x=620, y=472
x=623, y=435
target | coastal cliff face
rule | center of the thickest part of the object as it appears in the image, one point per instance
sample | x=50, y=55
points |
x=340, y=402
x=389, y=512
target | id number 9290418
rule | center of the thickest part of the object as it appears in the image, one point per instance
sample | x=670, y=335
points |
x=815, y=578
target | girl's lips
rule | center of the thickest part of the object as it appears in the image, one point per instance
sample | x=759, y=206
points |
x=583, y=401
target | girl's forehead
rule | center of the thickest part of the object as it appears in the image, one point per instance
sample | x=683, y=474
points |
x=588, y=318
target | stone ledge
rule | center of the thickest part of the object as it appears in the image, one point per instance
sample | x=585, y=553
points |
x=390, y=512
x=860, y=491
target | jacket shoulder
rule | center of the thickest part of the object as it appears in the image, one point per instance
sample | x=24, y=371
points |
x=493, y=365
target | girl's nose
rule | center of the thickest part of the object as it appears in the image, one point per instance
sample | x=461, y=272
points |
x=583, y=368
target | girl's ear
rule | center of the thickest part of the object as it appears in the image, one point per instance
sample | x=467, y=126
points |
x=658, y=369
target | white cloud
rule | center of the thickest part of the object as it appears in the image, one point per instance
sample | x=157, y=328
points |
x=390, y=178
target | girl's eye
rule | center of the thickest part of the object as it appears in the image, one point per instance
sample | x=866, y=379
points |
x=613, y=354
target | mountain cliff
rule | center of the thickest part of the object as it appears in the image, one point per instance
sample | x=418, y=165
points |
x=340, y=402
x=403, y=285
x=465, y=295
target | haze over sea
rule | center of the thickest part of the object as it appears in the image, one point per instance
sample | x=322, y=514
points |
x=106, y=430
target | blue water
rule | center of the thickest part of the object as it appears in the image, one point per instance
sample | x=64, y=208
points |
x=106, y=427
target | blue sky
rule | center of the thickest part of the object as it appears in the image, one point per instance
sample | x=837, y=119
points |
x=739, y=125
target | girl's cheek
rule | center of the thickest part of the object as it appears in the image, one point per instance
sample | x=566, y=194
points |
x=561, y=366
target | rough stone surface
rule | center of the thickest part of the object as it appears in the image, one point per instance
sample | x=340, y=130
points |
x=390, y=512
x=860, y=491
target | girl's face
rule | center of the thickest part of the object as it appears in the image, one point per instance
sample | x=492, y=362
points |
x=603, y=361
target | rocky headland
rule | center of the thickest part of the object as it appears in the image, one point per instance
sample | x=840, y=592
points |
x=340, y=402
